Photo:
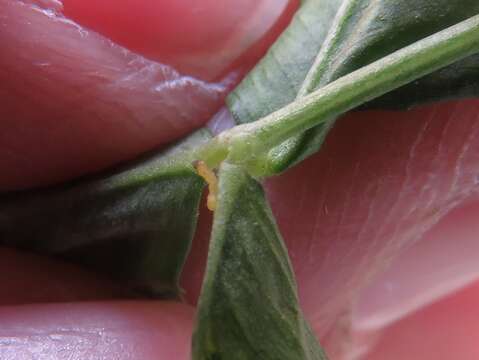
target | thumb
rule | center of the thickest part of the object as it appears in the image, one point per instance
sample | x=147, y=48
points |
x=74, y=102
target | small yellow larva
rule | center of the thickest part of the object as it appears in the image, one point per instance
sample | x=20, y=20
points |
x=210, y=177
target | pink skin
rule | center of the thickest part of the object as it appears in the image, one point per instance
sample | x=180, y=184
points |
x=107, y=330
x=64, y=87
x=394, y=309
x=446, y=329
x=386, y=180
x=383, y=182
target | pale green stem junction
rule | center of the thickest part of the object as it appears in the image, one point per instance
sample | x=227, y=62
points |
x=249, y=144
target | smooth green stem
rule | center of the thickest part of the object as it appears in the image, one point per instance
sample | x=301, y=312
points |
x=247, y=143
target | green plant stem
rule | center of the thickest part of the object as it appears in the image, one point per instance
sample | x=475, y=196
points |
x=249, y=144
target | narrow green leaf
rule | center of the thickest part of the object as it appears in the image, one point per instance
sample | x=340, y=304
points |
x=136, y=224
x=363, y=32
x=248, y=307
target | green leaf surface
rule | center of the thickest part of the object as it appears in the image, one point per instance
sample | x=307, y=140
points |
x=248, y=307
x=362, y=32
x=135, y=224
x=367, y=30
x=278, y=77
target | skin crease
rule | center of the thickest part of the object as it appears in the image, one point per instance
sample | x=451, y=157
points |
x=227, y=39
x=327, y=272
